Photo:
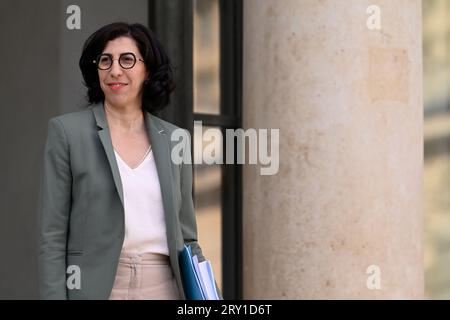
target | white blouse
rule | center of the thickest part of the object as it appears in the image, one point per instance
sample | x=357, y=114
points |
x=145, y=227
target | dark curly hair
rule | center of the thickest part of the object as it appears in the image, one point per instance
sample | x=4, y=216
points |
x=156, y=90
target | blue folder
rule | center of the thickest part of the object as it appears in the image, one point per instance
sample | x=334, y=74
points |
x=191, y=283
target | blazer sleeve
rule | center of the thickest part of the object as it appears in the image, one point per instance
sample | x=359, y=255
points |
x=54, y=213
x=187, y=213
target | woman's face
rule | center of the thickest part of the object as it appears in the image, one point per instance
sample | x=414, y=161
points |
x=123, y=87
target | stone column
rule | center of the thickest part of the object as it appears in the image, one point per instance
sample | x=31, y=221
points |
x=343, y=216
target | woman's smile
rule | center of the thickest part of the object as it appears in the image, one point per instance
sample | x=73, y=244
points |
x=115, y=86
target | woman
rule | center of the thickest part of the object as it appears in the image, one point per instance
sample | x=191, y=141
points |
x=116, y=211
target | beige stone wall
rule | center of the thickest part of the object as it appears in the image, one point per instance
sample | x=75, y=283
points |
x=348, y=195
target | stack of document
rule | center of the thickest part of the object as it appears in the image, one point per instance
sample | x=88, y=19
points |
x=198, y=278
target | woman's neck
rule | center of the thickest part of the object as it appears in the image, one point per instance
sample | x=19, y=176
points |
x=125, y=119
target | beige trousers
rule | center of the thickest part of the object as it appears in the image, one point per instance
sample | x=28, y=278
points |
x=146, y=276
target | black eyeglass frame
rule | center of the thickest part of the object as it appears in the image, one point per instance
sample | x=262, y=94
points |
x=110, y=56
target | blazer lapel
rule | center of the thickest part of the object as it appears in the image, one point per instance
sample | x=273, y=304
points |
x=160, y=142
x=105, y=138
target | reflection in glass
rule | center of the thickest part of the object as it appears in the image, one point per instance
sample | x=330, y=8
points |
x=207, y=195
x=206, y=57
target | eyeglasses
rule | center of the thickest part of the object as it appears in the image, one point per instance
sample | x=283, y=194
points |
x=127, y=60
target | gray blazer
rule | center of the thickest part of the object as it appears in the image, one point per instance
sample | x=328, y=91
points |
x=82, y=213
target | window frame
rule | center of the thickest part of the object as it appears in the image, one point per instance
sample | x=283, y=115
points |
x=164, y=19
